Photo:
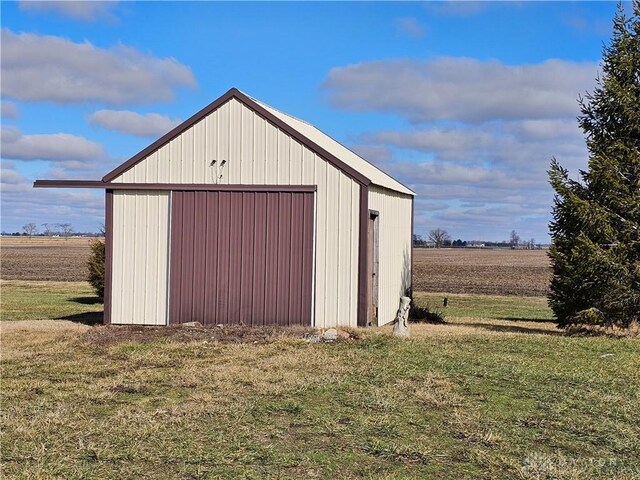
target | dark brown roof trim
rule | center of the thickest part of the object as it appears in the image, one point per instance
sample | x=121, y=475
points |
x=260, y=110
x=70, y=184
x=172, y=186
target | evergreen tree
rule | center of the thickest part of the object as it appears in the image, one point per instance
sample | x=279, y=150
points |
x=96, y=267
x=595, y=252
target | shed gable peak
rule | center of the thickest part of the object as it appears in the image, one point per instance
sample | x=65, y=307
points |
x=301, y=131
x=258, y=109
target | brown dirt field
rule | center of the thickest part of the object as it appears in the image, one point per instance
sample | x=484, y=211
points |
x=482, y=271
x=493, y=272
x=41, y=258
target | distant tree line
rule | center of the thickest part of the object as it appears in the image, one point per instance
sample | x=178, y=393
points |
x=439, y=238
x=50, y=230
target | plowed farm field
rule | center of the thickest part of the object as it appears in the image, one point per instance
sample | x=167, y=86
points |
x=481, y=271
x=42, y=258
x=492, y=272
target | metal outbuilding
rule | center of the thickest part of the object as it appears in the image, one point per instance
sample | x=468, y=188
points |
x=244, y=214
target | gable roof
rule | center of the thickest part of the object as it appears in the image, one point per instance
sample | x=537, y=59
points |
x=337, y=154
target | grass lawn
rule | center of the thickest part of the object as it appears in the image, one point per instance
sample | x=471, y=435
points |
x=454, y=401
x=34, y=300
x=488, y=306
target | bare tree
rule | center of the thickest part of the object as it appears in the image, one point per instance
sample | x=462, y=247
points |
x=439, y=237
x=66, y=228
x=47, y=229
x=30, y=229
x=418, y=241
x=514, y=240
x=532, y=243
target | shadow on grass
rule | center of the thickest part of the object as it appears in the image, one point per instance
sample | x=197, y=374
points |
x=86, y=300
x=514, y=329
x=86, y=318
x=522, y=319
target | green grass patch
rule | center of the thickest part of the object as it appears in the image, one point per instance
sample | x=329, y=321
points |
x=462, y=400
x=32, y=300
x=488, y=306
x=466, y=406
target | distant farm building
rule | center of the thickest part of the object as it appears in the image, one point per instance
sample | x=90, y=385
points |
x=246, y=215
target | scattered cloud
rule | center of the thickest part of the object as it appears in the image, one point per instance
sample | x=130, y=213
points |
x=85, y=11
x=9, y=176
x=374, y=152
x=410, y=27
x=22, y=203
x=142, y=125
x=53, y=147
x=45, y=68
x=478, y=136
x=584, y=25
x=483, y=170
x=583, y=22
x=8, y=109
x=523, y=144
x=463, y=89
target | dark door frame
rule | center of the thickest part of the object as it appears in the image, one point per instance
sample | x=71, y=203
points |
x=373, y=267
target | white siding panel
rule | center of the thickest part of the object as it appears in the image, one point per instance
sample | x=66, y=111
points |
x=332, y=253
x=343, y=200
x=355, y=226
x=394, y=224
x=247, y=139
x=284, y=164
x=235, y=141
x=257, y=152
x=271, y=155
x=140, y=257
x=321, y=244
x=199, y=146
x=296, y=163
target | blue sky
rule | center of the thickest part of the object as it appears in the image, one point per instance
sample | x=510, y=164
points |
x=465, y=102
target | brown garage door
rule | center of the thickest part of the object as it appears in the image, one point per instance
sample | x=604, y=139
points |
x=241, y=257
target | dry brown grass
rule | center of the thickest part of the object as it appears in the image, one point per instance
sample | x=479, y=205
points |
x=42, y=258
x=472, y=404
x=483, y=271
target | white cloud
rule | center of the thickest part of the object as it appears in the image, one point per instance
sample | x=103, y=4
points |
x=22, y=203
x=554, y=129
x=439, y=174
x=478, y=139
x=410, y=27
x=8, y=176
x=47, y=68
x=57, y=147
x=143, y=125
x=463, y=89
x=374, y=153
x=8, y=109
x=86, y=11
x=446, y=142
x=524, y=144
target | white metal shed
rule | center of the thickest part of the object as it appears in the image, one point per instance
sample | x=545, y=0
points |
x=244, y=214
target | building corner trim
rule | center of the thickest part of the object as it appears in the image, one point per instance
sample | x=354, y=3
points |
x=108, y=260
x=362, y=256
